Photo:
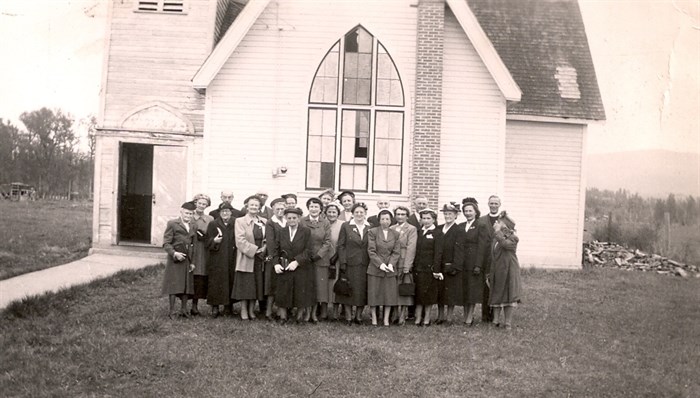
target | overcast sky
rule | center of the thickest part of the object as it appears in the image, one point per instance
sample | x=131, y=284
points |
x=646, y=54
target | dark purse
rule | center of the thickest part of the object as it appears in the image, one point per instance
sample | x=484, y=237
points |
x=342, y=286
x=450, y=269
x=407, y=288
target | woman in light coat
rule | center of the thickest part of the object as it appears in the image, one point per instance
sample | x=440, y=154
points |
x=248, y=285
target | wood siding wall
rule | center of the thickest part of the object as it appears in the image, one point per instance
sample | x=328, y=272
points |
x=153, y=57
x=257, y=104
x=473, y=123
x=544, y=191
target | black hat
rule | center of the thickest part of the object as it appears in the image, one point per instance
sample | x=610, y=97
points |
x=452, y=206
x=314, y=200
x=225, y=206
x=189, y=206
x=351, y=193
x=275, y=201
x=294, y=210
x=469, y=200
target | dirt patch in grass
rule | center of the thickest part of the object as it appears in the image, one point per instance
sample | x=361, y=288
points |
x=590, y=333
x=42, y=234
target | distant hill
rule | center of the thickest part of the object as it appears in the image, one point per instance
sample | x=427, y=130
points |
x=654, y=173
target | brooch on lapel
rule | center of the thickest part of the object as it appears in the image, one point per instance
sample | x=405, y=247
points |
x=355, y=231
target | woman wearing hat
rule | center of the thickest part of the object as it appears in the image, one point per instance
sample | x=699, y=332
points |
x=347, y=200
x=474, y=244
x=291, y=256
x=354, y=259
x=426, y=267
x=451, y=292
x=248, y=285
x=272, y=228
x=320, y=246
x=178, y=242
x=221, y=267
x=332, y=211
x=505, y=273
x=407, y=239
x=201, y=220
x=384, y=251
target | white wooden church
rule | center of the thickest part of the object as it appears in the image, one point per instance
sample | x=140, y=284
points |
x=445, y=98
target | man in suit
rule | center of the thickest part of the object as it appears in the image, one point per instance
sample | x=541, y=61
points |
x=226, y=197
x=420, y=203
x=488, y=220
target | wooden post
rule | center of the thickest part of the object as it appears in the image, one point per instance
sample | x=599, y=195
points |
x=667, y=222
x=610, y=215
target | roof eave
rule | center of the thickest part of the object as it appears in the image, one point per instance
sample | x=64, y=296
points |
x=487, y=52
x=233, y=37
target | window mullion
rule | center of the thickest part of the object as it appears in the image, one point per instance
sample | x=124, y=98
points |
x=339, y=114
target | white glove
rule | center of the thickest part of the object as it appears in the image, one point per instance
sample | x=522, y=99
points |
x=292, y=266
x=390, y=268
x=278, y=269
x=383, y=267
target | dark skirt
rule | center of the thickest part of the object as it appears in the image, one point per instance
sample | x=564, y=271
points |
x=269, y=279
x=505, y=285
x=296, y=288
x=382, y=290
x=474, y=286
x=426, y=288
x=200, y=286
x=357, y=276
x=451, y=290
x=249, y=285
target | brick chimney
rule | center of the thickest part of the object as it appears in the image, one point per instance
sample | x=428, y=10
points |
x=425, y=178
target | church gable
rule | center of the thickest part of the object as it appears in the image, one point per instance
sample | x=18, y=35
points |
x=157, y=116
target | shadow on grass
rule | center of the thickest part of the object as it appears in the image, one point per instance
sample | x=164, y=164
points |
x=59, y=302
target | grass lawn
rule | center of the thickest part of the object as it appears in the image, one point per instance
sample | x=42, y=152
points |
x=600, y=332
x=42, y=234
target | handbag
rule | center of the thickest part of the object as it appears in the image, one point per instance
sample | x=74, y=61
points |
x=407, y=288
x=342, y=287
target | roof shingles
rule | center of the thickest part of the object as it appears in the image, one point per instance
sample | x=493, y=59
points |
x=534, y=38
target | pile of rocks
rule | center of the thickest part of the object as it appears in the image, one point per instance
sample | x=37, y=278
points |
x=604, y=254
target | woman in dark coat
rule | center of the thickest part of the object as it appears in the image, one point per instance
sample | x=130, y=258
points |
x=384, y=249
x=272, y=228
x=320, y=248
x=354, y=259
x=505, y=276
x=178, y=242
x=294, y=286
x=475, y=245
x=451, y=292
x=201, y=220
x=222, y=260
x=426, y=267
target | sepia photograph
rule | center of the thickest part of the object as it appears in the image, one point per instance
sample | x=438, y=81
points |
x=350, y=198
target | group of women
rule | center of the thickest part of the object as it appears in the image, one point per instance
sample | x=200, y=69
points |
x=332, y=260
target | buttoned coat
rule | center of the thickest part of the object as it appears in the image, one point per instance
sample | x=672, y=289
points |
x=222, y=262
x=408, y=238
x=294, y=288
x=354, y=260
x=320, y=243
x=200, y=243
x=245, y=242
x=383, y=251
x=178, y=278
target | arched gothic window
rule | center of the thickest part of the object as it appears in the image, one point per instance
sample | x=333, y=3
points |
x=356, y=118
